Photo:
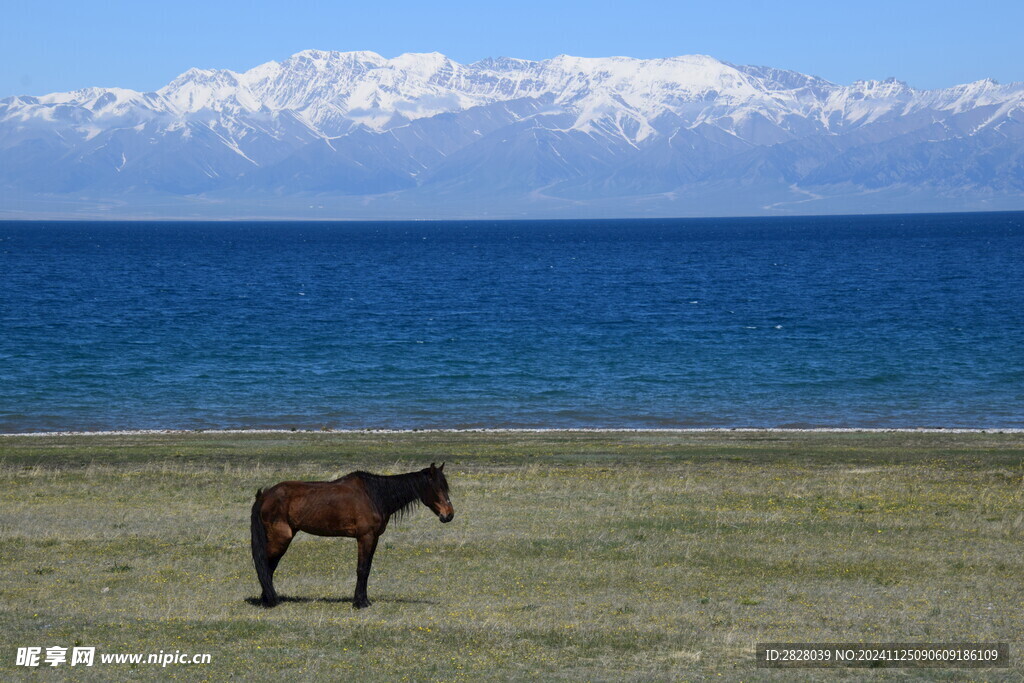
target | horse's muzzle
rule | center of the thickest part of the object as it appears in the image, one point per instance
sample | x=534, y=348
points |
x=447, y=518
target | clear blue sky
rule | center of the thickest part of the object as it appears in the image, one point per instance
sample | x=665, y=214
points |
x=61, y=45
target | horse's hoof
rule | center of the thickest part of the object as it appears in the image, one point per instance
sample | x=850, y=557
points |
x=361, y=604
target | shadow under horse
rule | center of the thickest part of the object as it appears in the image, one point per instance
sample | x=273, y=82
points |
x=358, y=505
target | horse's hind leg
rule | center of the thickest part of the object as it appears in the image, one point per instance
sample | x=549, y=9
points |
x=279, y=536
x=367, y=546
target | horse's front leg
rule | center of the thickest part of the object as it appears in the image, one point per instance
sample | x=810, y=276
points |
x=367, y=546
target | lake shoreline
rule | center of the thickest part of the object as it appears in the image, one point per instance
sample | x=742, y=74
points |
x=539, y=430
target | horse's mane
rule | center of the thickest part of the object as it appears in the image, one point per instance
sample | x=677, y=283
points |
x=394, y=495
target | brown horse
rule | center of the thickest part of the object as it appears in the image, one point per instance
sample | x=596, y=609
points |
x=359, y=505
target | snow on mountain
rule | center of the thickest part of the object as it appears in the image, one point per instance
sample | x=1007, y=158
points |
x=570, y=129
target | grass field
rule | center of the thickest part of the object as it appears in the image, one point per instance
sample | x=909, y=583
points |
x=590, y=556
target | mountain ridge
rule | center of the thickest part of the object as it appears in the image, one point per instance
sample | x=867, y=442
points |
x=666, y=136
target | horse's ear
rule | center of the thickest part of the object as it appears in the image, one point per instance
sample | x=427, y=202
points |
x=441, y=467
x=432, y=467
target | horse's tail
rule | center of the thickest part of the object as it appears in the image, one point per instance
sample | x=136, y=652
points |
x=259, y=554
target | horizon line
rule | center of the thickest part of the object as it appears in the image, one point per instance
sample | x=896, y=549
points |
x=251, y=219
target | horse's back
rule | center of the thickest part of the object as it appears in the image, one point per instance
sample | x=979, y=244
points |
x=324, y=508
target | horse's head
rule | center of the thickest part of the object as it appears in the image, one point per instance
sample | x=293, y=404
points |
x=436, y=496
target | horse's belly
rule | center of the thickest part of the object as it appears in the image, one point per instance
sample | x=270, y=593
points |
x=337, y=527
x=335, y=518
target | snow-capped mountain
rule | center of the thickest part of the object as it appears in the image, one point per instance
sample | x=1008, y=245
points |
x=353, y=134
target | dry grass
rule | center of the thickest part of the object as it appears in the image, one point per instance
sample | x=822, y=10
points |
x=613, y=556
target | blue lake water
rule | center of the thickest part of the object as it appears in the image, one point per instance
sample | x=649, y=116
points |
x=877, y=321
